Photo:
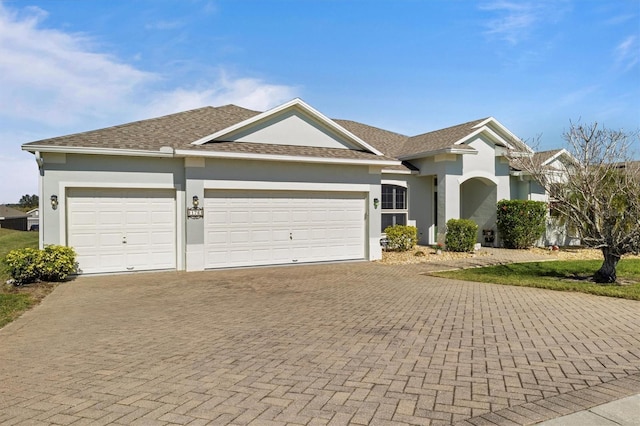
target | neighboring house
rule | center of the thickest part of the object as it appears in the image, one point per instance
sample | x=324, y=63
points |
x=33, y=218
x=227, y=186
x=11, y=218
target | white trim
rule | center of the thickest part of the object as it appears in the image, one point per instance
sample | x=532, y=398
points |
x=98, y=151
x=478, y=174
x=493, y=135
x=505, y=130
x=294, y=103
x=452, y=150
x=399, y=172
x=285, y=186
x=394, y=182
x=290, y=158
x=181, y=231
x=556, y=156
x=213, y=154
x=63, y=187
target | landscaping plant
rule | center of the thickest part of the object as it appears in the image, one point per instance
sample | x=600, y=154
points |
x=28, y=265
x=401, y=237
x=461, y=235
x=521, y=222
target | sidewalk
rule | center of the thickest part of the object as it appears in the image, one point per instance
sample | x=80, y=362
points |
x=624, y=412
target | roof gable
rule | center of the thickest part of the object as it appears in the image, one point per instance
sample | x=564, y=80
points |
x=455, y=139
x=295, y=124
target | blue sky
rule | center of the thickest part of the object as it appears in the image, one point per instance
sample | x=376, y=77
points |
x=408, y=66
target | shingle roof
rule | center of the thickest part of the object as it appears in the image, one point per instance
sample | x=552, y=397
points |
x=289, y=150
x=389, y=143
x=179, y=130
x=439, y=139
x=9, y=212
x=175, y=130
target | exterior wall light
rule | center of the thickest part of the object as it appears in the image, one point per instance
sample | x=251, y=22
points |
x=196, y=201
x=376, y=203
x=54, y=202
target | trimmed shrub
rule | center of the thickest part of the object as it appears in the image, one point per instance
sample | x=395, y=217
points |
x=56, y=263
x=22, y=265
x=521, y=222
x=401, y=238
x=28, y=265
x=461, y=235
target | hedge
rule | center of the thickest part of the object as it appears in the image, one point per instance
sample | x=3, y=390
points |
x=521, y=222
x=401, y=238
x=461, y=235
x=54, y=263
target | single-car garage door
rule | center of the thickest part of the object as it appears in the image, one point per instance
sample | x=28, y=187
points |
x=122, y=230
x=245, y=228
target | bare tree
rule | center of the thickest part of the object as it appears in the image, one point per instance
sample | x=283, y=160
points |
x=598, y=194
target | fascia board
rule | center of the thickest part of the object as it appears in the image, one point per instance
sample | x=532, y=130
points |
x=438, y=151
x=287, y=158
x=493, y=135
x=97, y=151
x=558, y=155
x=399, y=172
x=295, y=103
x=502, y=128
x=511, y=135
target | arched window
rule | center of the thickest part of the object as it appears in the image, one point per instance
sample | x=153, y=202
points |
x=394, y=205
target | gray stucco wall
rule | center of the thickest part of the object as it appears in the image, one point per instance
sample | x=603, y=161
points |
x=82, y=171
x=419, y=200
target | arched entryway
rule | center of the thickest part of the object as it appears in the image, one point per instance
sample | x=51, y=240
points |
x=478, y=198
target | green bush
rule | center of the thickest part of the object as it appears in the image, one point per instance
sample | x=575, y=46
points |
x=461, y=235
x=22, y=265
x=521, y=222
x=401, y=238
x=28, y=265
x=56, y=263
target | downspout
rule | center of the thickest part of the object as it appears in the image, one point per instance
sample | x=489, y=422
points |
x=40, y=162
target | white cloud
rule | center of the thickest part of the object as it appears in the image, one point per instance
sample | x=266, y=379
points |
x=515, y=20
x=627, y=53
x=18, y=176
x=164, y=25
x=53, y=83
x=248, y=92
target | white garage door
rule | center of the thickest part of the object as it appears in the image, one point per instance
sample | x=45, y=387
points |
x=246, y=228
x=122, y=230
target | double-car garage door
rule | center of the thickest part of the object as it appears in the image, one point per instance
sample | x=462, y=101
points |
x=135, y=229
x=244, y=228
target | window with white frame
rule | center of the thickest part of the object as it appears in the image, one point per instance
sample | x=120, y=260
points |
x=394, y=205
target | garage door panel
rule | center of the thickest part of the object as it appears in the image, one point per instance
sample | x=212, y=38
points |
x=282, y=227
x=130, y=229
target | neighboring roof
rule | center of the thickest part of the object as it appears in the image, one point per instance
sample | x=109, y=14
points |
x=8, y=213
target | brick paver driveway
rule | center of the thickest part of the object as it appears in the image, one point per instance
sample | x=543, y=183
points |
x=356, y=343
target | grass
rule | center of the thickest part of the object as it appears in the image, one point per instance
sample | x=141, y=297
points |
x=10, y=240
x=566, y=275
x=12, y=305
x=14, y=301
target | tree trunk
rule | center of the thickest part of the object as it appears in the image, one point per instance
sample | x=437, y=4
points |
x=607, y=272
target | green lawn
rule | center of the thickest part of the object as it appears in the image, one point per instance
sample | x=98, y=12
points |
x=568, y=275
x=10, y=240
x=13, y=304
